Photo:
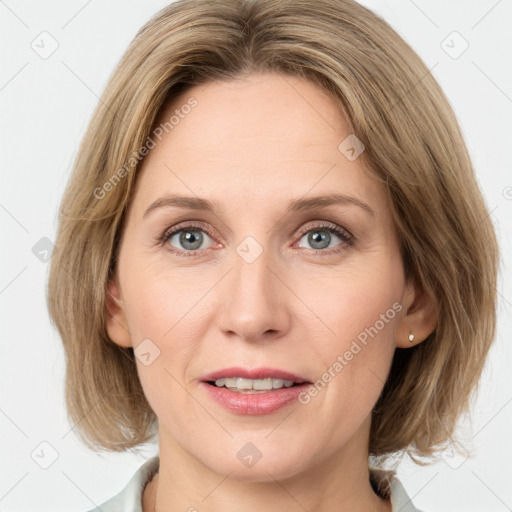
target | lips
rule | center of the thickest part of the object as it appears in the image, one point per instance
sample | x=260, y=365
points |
x=255, y=373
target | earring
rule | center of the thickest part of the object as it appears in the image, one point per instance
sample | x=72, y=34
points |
x=411, y=337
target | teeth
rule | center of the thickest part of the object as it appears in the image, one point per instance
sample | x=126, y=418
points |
x=278, y=383
x=241, y=384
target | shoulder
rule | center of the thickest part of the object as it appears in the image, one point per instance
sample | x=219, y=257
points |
x=387, y=485
x=130, y=498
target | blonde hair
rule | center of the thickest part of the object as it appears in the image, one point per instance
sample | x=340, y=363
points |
x=413, y=144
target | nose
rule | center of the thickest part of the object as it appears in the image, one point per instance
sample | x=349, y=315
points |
x=253, y=302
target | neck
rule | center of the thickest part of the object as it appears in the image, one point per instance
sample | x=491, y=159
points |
x=341, y=482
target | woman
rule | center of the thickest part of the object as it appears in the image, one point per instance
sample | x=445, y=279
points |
x=291, y=267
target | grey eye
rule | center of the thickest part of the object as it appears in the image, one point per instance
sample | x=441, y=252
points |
x=319, y=238
x=189, y=239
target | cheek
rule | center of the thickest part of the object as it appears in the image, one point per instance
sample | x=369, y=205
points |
x=164, y=314
x=359, y=308
x=161, y=300
x=353, y=299
x=168, y=308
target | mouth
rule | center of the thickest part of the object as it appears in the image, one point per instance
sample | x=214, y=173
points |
x=253, y=381
x=254, y=392
x=251, y=386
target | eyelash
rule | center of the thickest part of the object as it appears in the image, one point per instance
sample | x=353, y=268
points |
x=346, y=238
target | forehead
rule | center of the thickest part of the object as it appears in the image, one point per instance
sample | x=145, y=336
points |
x=252, y=140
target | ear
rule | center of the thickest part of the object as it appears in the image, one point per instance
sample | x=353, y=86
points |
x=419, y=317
x=116, y=324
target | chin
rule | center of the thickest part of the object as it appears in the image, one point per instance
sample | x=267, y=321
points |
x=250, y=464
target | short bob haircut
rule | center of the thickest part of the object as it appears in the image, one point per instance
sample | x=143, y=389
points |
x=413, y=145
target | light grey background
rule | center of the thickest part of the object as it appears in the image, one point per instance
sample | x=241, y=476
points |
x=45, y=107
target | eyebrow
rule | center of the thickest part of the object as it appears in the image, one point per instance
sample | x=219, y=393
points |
x=201, y=204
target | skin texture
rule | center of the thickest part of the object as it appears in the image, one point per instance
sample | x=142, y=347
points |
x=253, y=145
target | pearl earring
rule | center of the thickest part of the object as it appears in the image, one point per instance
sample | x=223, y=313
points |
x=411, y=337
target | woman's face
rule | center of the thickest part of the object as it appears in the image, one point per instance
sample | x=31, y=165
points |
x=267, y=279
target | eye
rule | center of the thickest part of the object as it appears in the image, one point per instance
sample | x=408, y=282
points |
x=186, y=240
x=321, y=237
